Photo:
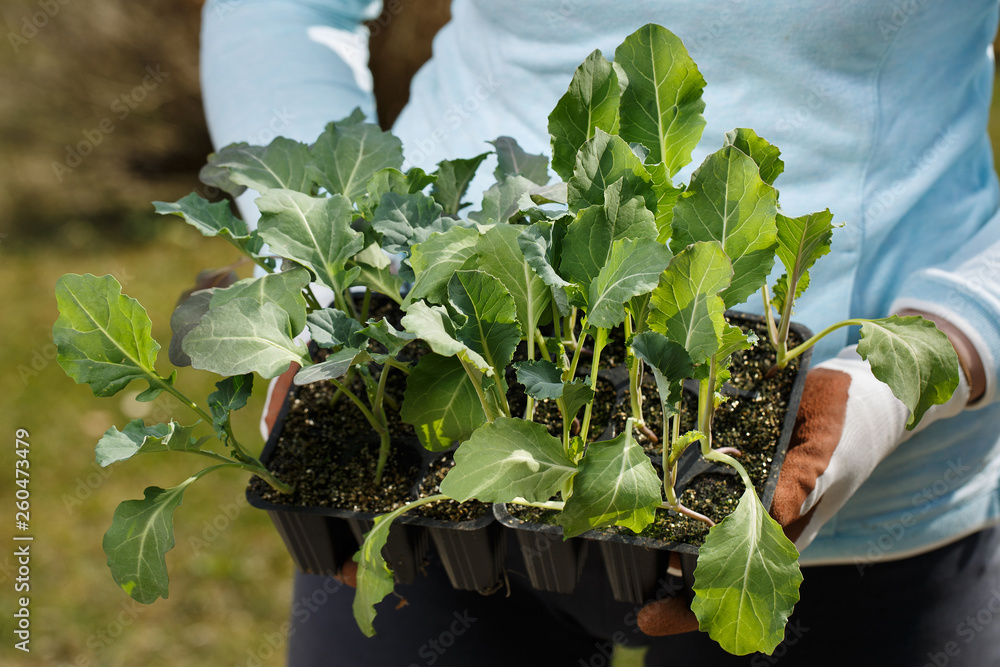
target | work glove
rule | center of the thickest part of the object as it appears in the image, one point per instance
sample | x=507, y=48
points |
x=848, y=421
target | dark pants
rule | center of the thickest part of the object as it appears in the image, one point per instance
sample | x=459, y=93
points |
x=936, y=609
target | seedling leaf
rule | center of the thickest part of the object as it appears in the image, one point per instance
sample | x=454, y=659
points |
x=441, y=402
x=747, y=580
x=615, y=485
x=103, y=337
x=661, y=107
x=243, y=336
x=728, y=202
x=590, y=102
x=506, y=459
x=453, y=178
x=141, y=533
x=633, y=267
x=281, y=164
x=513, y=161
x=913, y=357
x=349, y=152
x=137, y=438
x=314, y=231
x=685, y=304
x=491, y=327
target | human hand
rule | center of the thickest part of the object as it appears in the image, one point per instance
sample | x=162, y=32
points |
x=848, y=421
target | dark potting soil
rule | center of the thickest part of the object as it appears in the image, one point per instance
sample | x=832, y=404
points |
x=749, y=420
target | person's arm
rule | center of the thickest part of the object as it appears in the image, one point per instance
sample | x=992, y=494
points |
x=283, y=67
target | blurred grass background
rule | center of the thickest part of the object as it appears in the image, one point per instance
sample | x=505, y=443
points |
x=61, y=75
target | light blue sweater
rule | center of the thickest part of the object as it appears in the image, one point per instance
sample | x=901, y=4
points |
x=879, y=108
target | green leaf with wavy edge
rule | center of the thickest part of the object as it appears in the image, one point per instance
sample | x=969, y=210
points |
x=728, y=202
x=137, y=438
x=780, y=292
x=405, y=220
x=670, y=364
x=502, y=200
x=588, y=240
x=801, y=241
x=499, y=254
x=491, y=325
x=435, y=260
x=441, y=402
x=375, y=272
x=141, y=533
x=513, y=161
x=913, y=357
x=284, y=289
x=434, y=326
x=244, y=336
x=185, y=317
x=541, y=246
x=391, y=180
x=332, y=327
x=633, y=267
x=733, y=339
x=334, y=366
x=747, y=580
x=313, y=231
x=661, y=108
x=279, y=165
x=453, y=179
x=374, y=578
x=604, y=159
x=615, y=485
x=542, y=379
x=388, y=336
x=666, y=198
x=766, y=156
x=230, y=394
x=506, y=459
x=590, y=102
x=209, y=218
x=348, y=154
x=576, y=394
x=685, y=304
x=103, y=337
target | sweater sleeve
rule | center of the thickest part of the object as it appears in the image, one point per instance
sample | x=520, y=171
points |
x=283, y=67
x=966, y=292
x=286, y=68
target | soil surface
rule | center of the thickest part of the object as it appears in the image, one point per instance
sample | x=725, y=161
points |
x=325, y=452
x=750, y=419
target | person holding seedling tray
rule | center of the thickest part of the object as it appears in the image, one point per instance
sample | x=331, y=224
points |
x=663, y=213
